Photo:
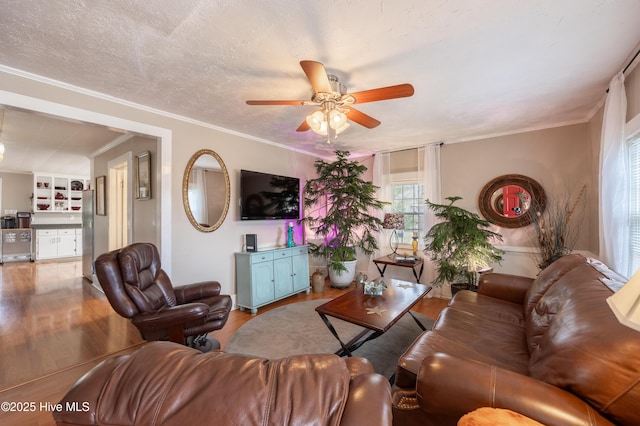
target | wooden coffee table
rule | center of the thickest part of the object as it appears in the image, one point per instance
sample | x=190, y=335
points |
x=376, y=314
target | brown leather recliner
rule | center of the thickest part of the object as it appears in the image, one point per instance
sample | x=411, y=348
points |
x=165, y=384
x=138, y=289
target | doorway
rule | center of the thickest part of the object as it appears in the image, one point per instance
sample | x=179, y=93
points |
x=120, y=204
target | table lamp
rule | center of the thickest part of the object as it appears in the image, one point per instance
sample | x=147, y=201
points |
x=625, y=303
x=394, y=221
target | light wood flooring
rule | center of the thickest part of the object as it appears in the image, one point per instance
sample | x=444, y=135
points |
x=55, y=326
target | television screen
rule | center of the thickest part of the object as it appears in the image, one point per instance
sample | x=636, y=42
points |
x=267, y=196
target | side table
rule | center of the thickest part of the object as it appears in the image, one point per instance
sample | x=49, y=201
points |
x=389, y=260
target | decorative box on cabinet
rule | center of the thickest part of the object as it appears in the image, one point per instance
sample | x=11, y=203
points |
x=266, y=276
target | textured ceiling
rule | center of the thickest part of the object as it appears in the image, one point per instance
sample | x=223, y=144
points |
x=479, y=68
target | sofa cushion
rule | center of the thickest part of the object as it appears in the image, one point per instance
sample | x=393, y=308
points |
x=585, y=350
x=488, y=307
x=548, y=277
x=543, y=313
x=469, y=336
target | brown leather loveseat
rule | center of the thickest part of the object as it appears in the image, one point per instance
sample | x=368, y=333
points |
x=548, y=348
x=164, y=383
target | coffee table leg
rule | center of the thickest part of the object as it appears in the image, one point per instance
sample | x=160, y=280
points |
x=345, y=349
x=420, y=274
x=418, y=322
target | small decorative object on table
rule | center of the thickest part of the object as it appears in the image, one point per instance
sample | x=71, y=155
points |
x=361, y=279
x=375, y=288
x=414, y=244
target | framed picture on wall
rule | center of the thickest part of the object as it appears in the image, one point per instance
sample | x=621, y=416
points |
x=101, y=201
x=143, y=176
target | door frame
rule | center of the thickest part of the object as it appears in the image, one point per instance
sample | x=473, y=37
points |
x=163, y=134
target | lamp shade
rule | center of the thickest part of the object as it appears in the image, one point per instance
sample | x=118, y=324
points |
x=393, y=221
x=625, y=303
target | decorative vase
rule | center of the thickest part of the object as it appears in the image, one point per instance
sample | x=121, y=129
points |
x=317, y=281
x=343, y=279
x=290, y=242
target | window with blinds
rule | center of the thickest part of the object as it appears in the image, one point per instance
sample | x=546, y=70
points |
x=634, y=203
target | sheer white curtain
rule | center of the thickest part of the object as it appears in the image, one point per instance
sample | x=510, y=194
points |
x=381, y=174
x=614, y=180
x=429, y=172
x=197, y=194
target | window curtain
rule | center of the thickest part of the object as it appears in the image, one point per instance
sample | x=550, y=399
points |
x=614, y=180
x=429, y=173
x=197, y=194
x=380, y=178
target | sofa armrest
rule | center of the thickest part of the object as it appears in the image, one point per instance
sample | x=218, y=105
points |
x=196, y=291
x=511, y=288
x=368, y=402
x=170, y=316
x=449, y=387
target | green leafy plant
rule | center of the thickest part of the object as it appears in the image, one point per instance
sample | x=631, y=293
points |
x=340, y=208
x=460, y=244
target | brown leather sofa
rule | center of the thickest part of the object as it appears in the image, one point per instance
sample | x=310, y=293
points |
x=138, y=288
x=549, y=348
x=163, y=383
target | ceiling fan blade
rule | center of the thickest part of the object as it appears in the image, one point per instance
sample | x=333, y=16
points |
x=275, y=102
x=317, y=76
x=383, y=93
x=303, y=127
x=362, y=118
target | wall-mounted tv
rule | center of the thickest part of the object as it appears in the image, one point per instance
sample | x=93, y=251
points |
x=266, y=196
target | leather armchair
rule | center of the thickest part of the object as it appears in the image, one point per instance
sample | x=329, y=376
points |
x=165, y=384
x=137, y=288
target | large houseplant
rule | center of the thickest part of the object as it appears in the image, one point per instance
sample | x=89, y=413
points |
x=460, y=244
x=340, y=208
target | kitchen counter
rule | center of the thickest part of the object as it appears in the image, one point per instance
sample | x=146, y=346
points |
x=56, y=226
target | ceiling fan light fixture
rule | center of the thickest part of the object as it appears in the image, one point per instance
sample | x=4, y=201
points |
x=337, y=119
x=315, y=121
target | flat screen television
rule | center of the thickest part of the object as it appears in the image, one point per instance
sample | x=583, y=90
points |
x=266, y=196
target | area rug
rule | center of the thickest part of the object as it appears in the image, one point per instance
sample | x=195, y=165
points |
x=298, y=329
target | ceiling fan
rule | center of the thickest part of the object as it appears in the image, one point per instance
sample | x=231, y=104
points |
x=336, y=105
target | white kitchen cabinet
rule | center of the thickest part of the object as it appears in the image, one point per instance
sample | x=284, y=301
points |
x=46, y=244
x=58, y=243
x=266, y=276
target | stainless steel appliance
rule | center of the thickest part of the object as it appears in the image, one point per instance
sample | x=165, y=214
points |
x=23, y=219
x=87, y=235
x=8, y=222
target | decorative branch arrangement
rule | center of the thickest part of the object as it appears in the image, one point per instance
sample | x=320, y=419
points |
x=555, y=228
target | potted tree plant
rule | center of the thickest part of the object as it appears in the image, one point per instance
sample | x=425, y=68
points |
x=460, y=245
x=340, y=208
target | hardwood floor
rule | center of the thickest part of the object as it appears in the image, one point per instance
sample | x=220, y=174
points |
x=55, y=326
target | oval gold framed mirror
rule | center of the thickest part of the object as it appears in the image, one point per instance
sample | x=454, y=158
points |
x=206, y=190
x=509, y=200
